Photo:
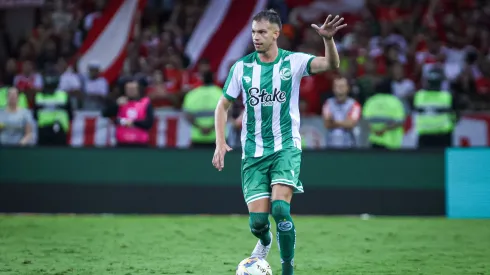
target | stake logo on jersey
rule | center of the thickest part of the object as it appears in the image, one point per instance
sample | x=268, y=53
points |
x=263, y=97
x=270, y=93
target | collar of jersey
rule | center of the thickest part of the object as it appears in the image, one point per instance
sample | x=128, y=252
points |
x=257, y=59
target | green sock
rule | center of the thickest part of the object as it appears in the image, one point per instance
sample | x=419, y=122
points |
x=260, y=227
x=286, y=234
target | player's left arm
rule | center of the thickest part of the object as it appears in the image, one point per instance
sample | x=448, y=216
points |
x=331, y=59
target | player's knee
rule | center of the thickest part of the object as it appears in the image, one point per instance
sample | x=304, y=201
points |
x=259, y=222
x=280, y=210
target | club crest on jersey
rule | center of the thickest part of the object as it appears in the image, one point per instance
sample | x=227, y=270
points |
x=285, y=74
x=247, y=79
x=257, y=97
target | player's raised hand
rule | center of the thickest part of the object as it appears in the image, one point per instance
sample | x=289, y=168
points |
x=330, y=27
x=219, y=155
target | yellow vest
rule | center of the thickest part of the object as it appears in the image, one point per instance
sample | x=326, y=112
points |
x=201, y=103
x=381, y=110
x=434, y=114
x=51, y=111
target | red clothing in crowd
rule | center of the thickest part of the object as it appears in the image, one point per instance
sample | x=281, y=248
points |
x=483, y=86
x=173, y=85
x=312, y=88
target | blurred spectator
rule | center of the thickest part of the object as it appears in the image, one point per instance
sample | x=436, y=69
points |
x=435, y=112
x=401, y=86
x=385, y=116
x=5, y=98
x=9, y=72
x=366, y=82
x=67, y=47
x=90, y=19
x=160, y=93
x=15, y=122
x=29, y=81
x=5, y=46
x=48, y=56
x=26, y=53
x=192, y=80
x=70, y=82
x=61, y=17
x=53, y=113
x=96, y=88
x=199, y=105
x=134, y=117
x=341, y=115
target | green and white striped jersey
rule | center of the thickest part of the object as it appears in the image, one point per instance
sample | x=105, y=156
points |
x=270, y=93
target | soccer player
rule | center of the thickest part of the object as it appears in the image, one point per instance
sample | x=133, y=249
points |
x=269, y=81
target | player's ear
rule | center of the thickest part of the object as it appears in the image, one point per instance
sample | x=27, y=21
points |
x=276, y=34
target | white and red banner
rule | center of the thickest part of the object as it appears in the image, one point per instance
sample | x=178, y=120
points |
x=171, y=130
x=471, y=130
x=107, y=39
x=90, y=129
x=223, y=33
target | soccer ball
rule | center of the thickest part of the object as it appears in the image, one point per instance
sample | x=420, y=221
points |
x=254, y=266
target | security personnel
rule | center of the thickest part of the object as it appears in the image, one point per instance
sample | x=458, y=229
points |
x=385, y=115
x=435, y=114
x=199, y=105
x=4, y=99
x=52, y=111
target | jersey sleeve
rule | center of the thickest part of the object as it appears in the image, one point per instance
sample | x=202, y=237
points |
x=303, y=63
x=233, y=85
x=355, y=111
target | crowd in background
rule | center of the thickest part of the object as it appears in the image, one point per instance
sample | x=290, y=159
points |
x=389, y=45
x=155, y=53
x=392, y=44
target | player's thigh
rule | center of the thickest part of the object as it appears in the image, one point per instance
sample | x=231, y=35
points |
x=259, y=206
x=284, y=174
x=255, y=184
x=282, y=192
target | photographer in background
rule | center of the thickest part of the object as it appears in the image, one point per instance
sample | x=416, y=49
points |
x=133, y=117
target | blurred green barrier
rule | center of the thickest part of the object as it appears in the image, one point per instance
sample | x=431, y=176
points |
x=330, y=169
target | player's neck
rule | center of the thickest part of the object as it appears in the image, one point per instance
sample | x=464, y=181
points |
x=270, y=55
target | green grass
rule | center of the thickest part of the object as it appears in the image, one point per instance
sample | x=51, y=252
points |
x=206, y=245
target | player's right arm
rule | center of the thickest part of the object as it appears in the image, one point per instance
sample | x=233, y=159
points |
x=231, y=91
x=220, y=117
x=331, y=59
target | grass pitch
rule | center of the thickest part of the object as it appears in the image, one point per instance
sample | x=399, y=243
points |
x=208, y=245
